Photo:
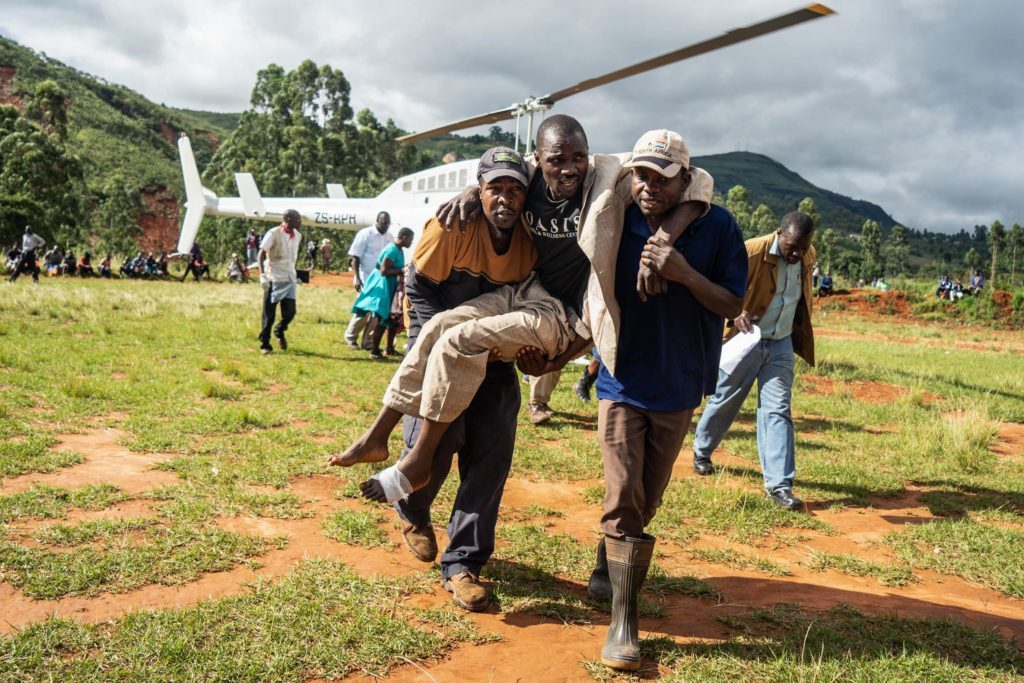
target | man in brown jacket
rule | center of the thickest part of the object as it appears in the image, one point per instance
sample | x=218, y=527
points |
x=778, y=301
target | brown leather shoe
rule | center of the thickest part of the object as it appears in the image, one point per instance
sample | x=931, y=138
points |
x=421, y=542
x=467, y=592
x=540, y=413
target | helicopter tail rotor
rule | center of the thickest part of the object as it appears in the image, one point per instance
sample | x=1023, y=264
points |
x=195, y=194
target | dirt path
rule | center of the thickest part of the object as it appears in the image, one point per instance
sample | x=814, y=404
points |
x=534, y=648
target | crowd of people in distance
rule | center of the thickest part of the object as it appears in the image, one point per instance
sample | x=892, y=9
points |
x=954, y=290
x=22, y=259
x=143, y=266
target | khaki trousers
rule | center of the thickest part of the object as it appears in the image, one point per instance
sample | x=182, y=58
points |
x=542, y=387
x=441, y=373
x=638, y=448
x=364, y=324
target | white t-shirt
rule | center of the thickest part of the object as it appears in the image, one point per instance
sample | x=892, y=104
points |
x=367, y=246
x=282, y=253
x=34, y=241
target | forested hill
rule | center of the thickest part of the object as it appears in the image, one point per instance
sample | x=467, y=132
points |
x=123, y=144
x=769, y=182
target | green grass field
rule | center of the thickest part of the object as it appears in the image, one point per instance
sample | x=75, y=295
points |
x=906, y=567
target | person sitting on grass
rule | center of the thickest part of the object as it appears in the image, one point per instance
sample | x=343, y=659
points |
x=70, y=264
x=52, y=260
x=85, y=265
x=825, y=288
x=126, y=267
x=977, y=283
x=105, y=268
x=237, y=271
x=379, y=290
x=943, y=289
x=13, y=257
x=956, y=292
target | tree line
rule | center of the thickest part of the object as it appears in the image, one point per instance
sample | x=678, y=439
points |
x=996, y=252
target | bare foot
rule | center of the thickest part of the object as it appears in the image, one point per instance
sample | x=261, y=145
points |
x=363, y=450
x=372, y=489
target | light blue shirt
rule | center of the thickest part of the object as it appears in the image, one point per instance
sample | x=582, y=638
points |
x=777, y=321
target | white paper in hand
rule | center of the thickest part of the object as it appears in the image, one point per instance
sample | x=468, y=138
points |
x=737, y=348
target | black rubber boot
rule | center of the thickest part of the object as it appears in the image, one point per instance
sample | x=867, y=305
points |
x=628, y=561
x=582, y=386
x=600, y=586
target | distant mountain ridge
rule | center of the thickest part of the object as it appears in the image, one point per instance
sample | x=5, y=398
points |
x=769, y=182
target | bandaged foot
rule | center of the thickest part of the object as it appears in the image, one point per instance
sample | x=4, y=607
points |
x=387, y=486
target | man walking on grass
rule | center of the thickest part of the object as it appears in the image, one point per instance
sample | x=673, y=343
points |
x=665, y=363
x=26, y=263
x=450, y=268
x=278, y=253
x=778, y=301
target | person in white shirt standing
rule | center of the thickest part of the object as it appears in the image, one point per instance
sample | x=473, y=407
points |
x=27, y=263
x=279, y=251
x=366, y=248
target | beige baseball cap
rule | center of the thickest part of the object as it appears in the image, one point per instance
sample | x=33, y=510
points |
x=661, y=150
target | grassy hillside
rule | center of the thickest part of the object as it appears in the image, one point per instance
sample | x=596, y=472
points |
x=116, y=132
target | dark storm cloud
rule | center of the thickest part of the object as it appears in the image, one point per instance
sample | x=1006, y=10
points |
x=913, y=104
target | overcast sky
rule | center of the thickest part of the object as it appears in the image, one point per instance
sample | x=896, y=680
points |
x=917, y=105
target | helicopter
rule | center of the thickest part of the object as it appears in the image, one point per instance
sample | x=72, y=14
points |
x=413, y=199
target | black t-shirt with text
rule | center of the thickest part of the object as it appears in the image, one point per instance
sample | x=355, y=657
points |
x=561, y=264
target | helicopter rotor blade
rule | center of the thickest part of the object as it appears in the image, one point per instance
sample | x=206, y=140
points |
x=499, y=115
x=733, y=37
x=815, y=11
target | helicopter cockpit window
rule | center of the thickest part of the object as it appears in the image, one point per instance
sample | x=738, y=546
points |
x=407, y=186
x=451, y=179
x=432, y=182
x=440, y=181
x=421, y=184
x=462, y=178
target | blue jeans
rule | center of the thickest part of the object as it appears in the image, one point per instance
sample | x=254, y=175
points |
x=771, y=364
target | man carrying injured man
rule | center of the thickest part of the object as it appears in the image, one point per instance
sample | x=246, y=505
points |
x=540, y=321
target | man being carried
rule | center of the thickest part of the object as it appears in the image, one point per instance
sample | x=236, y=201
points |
x=666, y=362
x=778, y=299
x=539, y=321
